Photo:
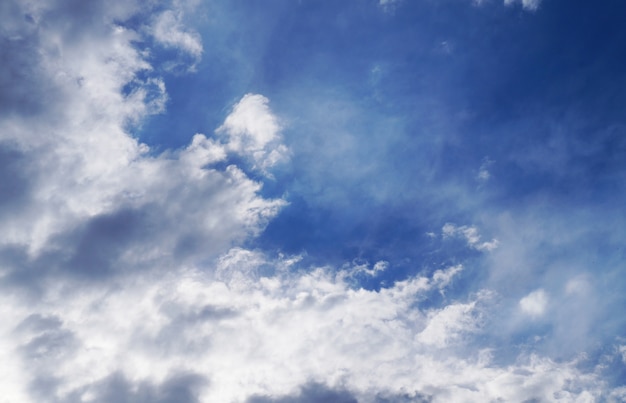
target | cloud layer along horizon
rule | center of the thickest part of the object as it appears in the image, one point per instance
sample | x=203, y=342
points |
x=333, y=202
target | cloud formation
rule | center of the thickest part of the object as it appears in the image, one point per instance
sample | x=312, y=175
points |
x=258, y=327
x=128, y=273
x=253, y=131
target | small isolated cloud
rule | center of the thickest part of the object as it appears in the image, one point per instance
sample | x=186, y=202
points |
x=578, y=286
x=471, y=235
x=446, y=47
x=484, y=173
x=388, y=5
x=527, y=4
x=530, y=5
x=365, y=268
x=253, y=131
x=534, y=304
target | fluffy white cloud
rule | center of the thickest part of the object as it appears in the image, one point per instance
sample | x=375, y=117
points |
x=241, y=333
x=118, y=276
x=79, y=172
x=535, y=303
x=254, y=132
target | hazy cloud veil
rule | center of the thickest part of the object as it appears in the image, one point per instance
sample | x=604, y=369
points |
x=133, y=272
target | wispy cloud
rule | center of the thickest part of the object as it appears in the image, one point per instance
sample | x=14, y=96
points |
x=471, y=236
x=169, y=31
x=527, y=4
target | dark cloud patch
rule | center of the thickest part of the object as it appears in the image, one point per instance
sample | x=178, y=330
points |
x=203, y=314
x=402, y=398
x=49, y=345
x=310, y=393
x=21, y=89
x=24, y=88
x=90, y=252
x=24, y=275
x=101, y=241
x=39, y=323
x=45, y=339
x=15, y=186
x=171, y=337
x=43, y=388
x=178, y=388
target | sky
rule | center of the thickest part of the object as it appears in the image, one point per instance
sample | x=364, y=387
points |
x=312, y=201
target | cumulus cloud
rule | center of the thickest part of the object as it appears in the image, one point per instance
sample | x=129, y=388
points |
x=252, y=131
x=81, y=195
x=235, y=333
x=123, y=271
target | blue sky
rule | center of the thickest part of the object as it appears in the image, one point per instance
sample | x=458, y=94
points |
x=311, y=201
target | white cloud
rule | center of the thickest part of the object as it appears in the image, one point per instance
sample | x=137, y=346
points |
x=450, y=323
x=535, y=303
x=443, y=277
x=168, y=30
x=120, y=281
x=364, y=268
x=251, y=334
x=471, y=235
x=81, y=171
x=254, y=132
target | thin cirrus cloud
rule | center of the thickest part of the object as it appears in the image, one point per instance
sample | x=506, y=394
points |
x=133, y=273
x=527, y=4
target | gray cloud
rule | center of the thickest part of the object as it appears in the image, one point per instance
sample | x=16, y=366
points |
x=310, y=393
x=15, y=185
x=179, y=387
